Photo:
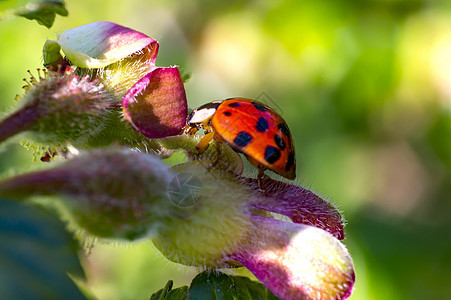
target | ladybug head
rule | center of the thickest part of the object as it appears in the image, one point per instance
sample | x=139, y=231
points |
x=202, y=114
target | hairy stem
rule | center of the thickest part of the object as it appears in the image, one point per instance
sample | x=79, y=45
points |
x=18, y=122
x=36, y=183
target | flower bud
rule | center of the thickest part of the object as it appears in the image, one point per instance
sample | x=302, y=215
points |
x=154, y=100
x=116, y=55
x=99, y=44
x=60, y=109
x=215, y=223
x=112, y=193
x=231, y=225
x=297, y=261
x=156, y=105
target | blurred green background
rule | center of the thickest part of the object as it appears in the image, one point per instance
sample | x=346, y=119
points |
x=365, y=87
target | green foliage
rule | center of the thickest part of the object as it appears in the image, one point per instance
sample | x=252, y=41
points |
x=441, y=127
x=185, y=75
x=36, y=255
x=214, y=285
x=167, y=293
x=397, y=242
x=43, y=11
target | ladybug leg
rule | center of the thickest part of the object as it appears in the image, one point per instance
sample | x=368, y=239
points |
x=218, y=153
x=204, y=142
x=190, y=130
x=262, y=176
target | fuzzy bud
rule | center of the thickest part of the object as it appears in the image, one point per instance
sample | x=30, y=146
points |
x=233, y=225
x=110, y=193
x=297, y=261
x=60, y=109
x=216, y=223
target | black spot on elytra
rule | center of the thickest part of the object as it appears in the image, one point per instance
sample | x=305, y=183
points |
x=279, y=142
x=259, y=106
x=227, y=113
x=262, y=124
x=234, y=104
x=290, y=161
x=242, y=139
x=272, y=154
x=284, y=128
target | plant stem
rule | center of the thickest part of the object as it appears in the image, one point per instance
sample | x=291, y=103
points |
x=18, y=122
x=45, y=182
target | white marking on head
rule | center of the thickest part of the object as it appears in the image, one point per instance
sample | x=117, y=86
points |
x=200, y=116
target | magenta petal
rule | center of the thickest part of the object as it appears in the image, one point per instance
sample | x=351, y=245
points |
x=98, y=44
x=156, y=105
x=297, y=261
x=299, y=204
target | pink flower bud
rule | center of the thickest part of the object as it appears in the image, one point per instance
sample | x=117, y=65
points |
x=297, y=261
x=124, y=61
x=156, y=105
x=99, y=44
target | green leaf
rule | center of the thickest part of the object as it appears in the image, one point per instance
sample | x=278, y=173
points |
x=215, y=285
x=36, y=254
x=43, y=11
x=185, y=75
x=167, y=293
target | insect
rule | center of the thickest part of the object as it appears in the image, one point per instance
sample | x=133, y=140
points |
x=249, y=127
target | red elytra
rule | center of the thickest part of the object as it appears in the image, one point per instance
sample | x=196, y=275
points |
x=249, y=127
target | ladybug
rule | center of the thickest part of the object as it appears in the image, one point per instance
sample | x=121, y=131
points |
x=249, y=127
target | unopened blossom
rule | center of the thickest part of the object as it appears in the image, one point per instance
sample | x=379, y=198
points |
x=58, y=108
x=154, y=100
x=234, y=225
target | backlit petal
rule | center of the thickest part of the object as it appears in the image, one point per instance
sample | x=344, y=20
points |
x=99, y=44
x=297, y=261
x=156, y=105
